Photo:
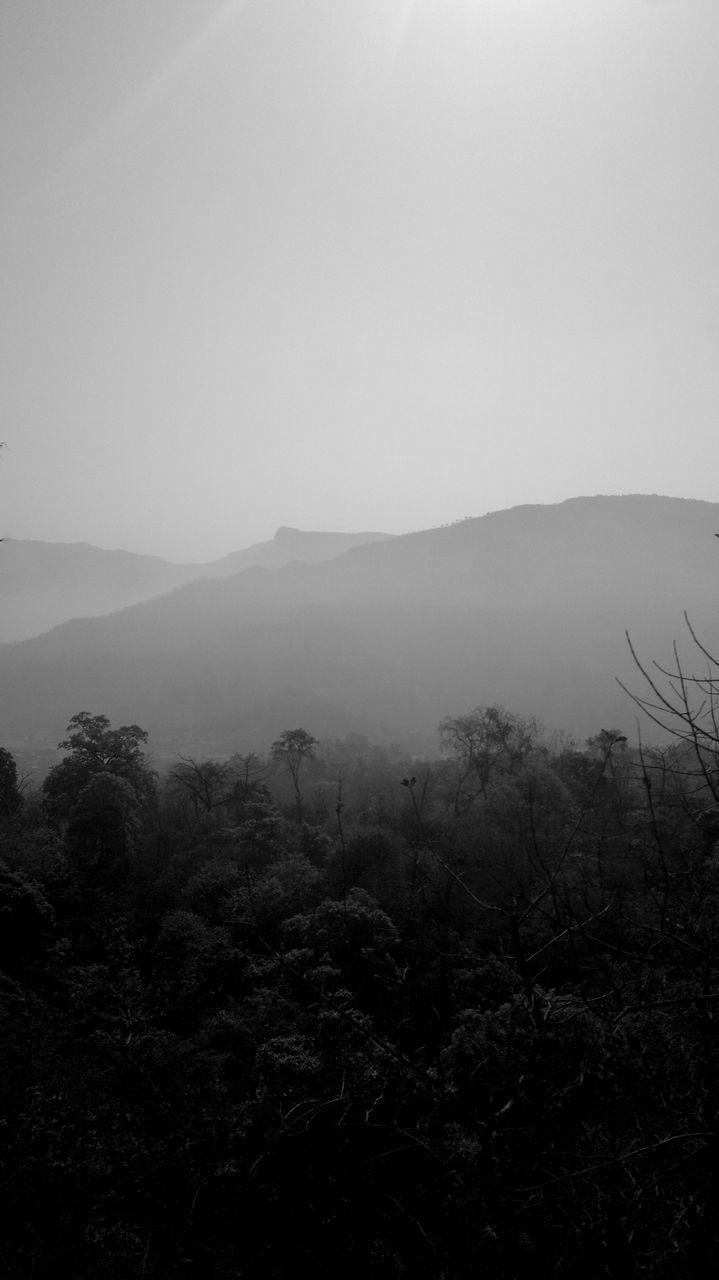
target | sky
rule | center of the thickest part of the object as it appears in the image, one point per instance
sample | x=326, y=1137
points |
x=352, y=264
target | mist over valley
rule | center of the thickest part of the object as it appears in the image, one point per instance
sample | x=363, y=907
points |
x=526, y=607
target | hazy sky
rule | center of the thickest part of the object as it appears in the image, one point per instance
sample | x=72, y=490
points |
x=352, y=264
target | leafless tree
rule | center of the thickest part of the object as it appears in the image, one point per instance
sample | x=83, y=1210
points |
x=683, y=701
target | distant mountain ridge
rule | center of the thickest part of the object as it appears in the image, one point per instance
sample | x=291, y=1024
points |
x=305, y=545
x=43, y=584
x=526, y=606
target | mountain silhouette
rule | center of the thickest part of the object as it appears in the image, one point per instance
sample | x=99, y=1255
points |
x=527, y=607
x=43, y=583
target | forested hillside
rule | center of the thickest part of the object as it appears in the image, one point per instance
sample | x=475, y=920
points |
x=328, y=1009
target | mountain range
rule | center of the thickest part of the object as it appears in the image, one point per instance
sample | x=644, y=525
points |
x=526, y=606
x=43, y=583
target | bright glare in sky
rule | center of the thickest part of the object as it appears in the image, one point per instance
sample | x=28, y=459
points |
x=371, y=266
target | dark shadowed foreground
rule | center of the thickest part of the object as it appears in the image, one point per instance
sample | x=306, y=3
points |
x=329, y=1010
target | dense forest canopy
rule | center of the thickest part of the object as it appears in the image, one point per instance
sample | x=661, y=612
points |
x=333, y=1008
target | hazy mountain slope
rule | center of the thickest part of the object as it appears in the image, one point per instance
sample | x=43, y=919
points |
x=289, y=544
x=526, y=606
x=43, y=584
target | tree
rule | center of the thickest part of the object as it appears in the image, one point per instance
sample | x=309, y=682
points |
x=26, y=920
x=482, y=742
x=95, y=748
x=206, y=784
x=291, y=749
x=103, y=822
x=94, y=743
x=97, y=793
x=10, y=796
x=248, y=773
x=685, y=704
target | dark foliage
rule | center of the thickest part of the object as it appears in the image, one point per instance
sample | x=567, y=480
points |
x=416, y=1019
x=10, y=794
